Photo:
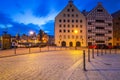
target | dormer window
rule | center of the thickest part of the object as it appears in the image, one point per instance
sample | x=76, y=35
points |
x=72, y=10
x=99, y=10
x=68, y=10
x=70, y=5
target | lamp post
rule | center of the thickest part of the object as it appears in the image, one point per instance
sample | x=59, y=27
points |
x=75, y=31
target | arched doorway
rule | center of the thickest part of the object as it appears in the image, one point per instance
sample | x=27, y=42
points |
x=63, y=43
x=70, y=44
x=78, y=44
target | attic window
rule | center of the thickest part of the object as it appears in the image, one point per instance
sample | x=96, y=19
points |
x=72, y=10
x=99, y=10
x=68, y=10
x=70, y=5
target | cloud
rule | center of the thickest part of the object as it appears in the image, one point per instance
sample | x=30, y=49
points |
x=28, y=18
x=48, y=27
x=12, y=27
x=4, y=19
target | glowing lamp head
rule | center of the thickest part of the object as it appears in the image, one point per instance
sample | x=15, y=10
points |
x=31, y=32
x=75, y=31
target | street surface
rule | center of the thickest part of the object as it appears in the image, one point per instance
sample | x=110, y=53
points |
x=59, y=65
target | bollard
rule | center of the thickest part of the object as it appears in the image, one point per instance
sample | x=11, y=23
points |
x=110, y=51
x=40, y=48
x=115, y=51
x=88, y=55
x=29, y=50
x=105, y=51
x=97, y=53
x=15, y=49
x=93, y=53
x=48, y=47
x=101, y=51
x=84, y=65
x=55, y=47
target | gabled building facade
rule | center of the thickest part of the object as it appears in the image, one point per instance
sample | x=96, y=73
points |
x=116, y=28
x=70, y=27
x=99, y=27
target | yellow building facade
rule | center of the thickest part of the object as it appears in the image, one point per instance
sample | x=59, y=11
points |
x=70, y=27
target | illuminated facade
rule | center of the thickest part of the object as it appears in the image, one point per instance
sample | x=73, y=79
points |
x=116, y=28
x=99, y=27
x=70, y=27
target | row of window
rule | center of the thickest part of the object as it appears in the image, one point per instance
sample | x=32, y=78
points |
x=64, y=20
x=68, y=31
x=106, y=31
x=70, y=26
x=90, y=23
x=70, y=15
x=70, y=10
x=70, y=37
x=90, y=38
x=99, y=10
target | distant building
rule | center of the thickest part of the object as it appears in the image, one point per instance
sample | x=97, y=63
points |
x=70, y=27
x=99, y=26
x=51, y=40
x=116, y=28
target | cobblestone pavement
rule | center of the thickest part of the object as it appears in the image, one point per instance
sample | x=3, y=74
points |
x=60, y=65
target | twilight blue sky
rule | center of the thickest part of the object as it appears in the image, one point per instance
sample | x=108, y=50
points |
x=22, y=16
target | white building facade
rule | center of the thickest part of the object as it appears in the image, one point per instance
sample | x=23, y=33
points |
x=99, y=27
x=70, y=27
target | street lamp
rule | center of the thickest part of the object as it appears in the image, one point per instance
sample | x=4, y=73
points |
x=75, y=31
x=31, y=32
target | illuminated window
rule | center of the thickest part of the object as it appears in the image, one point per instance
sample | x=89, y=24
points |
x=68, y=36
x=64, y=36
x=76, y=37
x=72, y=36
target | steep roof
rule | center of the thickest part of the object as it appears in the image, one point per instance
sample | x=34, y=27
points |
x=99, y=6
x=115, y=14
x=70, y=3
